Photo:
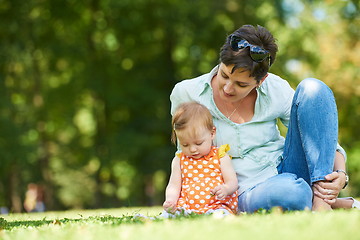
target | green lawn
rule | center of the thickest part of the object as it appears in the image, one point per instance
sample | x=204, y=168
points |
x=121, y=224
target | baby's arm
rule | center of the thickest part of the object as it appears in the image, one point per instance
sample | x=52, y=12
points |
x=173, y=188
x=230, y=181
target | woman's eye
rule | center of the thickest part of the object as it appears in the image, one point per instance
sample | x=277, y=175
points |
x=224, y=76
x=242, y=85
x=199, y=144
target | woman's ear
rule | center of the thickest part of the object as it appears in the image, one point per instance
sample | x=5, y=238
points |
x=262, y=80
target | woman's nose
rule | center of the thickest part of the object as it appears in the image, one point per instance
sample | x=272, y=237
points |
x=228, y=87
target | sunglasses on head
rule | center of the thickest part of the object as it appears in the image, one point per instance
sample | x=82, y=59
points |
x=257, y=54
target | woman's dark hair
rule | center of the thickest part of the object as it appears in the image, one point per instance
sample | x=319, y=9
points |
x=258, y=36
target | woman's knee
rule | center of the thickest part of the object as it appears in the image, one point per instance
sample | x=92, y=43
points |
x=314, y=87
x=313, y=95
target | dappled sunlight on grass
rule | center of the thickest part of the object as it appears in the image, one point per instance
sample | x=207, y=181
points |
x=123, y=223
x=147, y=211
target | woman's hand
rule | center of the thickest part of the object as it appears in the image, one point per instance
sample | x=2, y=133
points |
x=329, y=189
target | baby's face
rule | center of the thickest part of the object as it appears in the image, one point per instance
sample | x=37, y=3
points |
x=195, y=145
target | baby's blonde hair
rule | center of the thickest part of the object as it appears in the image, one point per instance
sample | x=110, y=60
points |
x=193, y=115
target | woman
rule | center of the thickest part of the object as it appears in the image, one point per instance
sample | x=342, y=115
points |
x=305, y=171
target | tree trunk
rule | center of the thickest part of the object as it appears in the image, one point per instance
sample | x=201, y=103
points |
x=16, y=203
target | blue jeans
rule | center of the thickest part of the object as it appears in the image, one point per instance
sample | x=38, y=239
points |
x=308, y=155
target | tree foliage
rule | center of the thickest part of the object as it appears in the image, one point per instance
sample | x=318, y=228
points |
x=84, y=86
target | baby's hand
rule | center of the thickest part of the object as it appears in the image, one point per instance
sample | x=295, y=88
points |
x=219, y=191
x=170, y=206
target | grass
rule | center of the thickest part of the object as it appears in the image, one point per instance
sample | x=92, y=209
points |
x=123, y=224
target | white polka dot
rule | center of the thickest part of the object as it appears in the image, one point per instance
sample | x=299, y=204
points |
x=202, y=184
x=197, y=205
x=190, y=167
x=197, y=197
x=186, y=162
x=208, y=197
x=201, y=175
x=197, y=188
x=200, y=166
x=207, y=179
x=207, y=189
x=202, y=201
x=205, y=162
x=191, y=201
x=216, y=161
x=206, y=170
x=185, y=170
x=196, y=171
x=190, y=175
x=196, y=179
x=192, y=192
x=202, y=193
x=211, y=166
x=212, y=174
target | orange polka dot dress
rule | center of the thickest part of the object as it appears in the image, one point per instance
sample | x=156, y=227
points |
x=199, y=176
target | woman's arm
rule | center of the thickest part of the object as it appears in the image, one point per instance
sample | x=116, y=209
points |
x=173, y=188
x=330, y=189
x=230, y=181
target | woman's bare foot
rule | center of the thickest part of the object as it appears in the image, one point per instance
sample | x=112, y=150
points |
x=346, y=203
x=320, y=205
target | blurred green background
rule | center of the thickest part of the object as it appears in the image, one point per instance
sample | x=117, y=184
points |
x=85, y=84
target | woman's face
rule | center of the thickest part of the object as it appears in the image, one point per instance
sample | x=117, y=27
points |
x=234, y=87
